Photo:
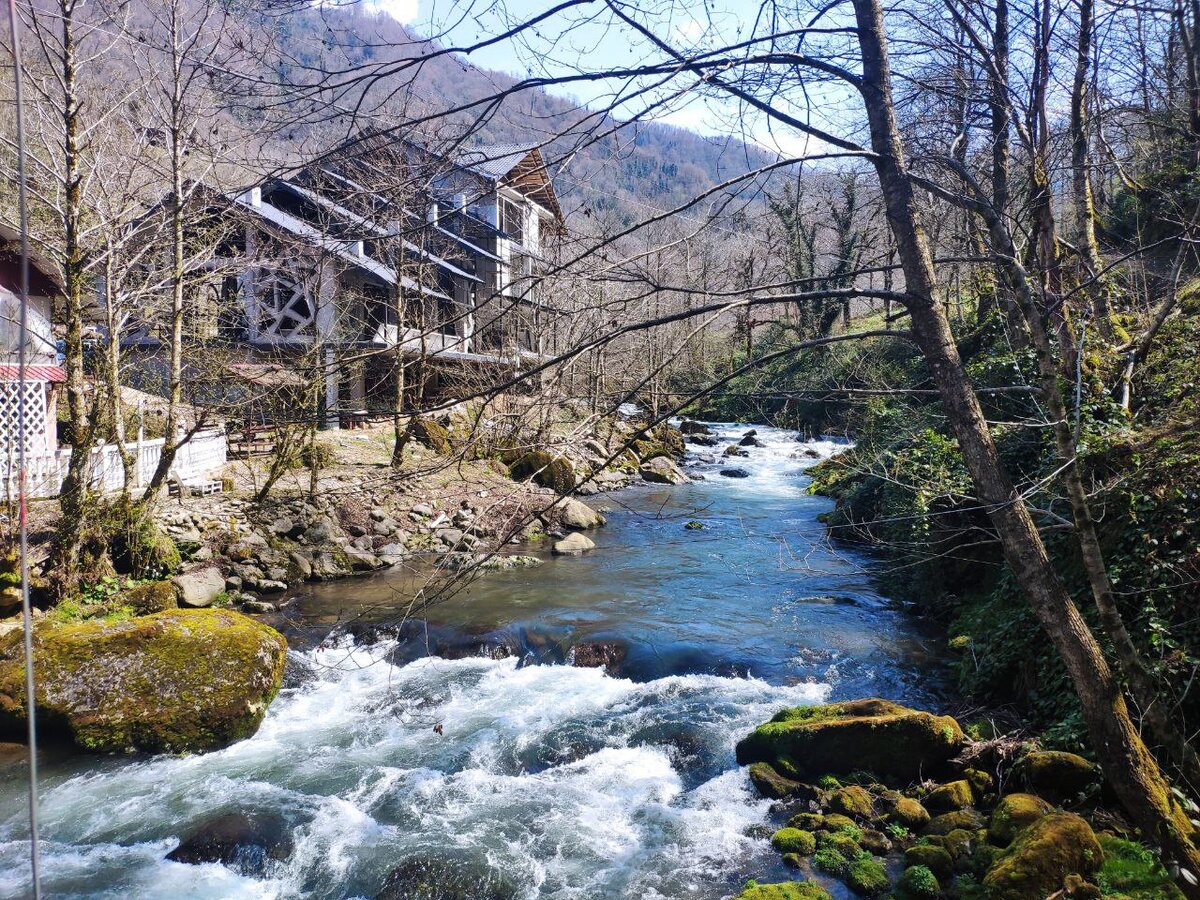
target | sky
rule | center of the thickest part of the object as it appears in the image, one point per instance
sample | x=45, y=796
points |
x=588, y=43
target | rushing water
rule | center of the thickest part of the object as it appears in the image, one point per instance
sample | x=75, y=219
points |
x=566, y=782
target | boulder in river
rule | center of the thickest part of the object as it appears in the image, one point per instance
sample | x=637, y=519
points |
x=200, y=587
x=735, y=473
x=573, y=545
x=430, y=878
x=704, y=440
x=1043, y=856
x=860, y=735
x=177, y=681
x=662, y=470
x=245, y=842
x=607, y=655
x=692, y=428
x=734, y=450
x=750, y=440
x=579, y=516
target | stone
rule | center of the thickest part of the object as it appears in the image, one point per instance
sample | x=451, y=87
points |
x=431, y=434
x=1056, y=774
x=151, y=597
x=691, y=427
x=852, y=801
x=203, y=554
x=579, y=516
x=960, y=820
x=283, y=526
x=573, y=545
x=422, y=511
x=734, y=450
x=793, y=840
x=177, y=681
x=277, y=574
x=907, y=812
x=320, y=531
x=188, y=535
x=771, y=784
x=233, y=582
x=355, y=530
x=662, y=470
x=245, y=842
x=1042, y=856
x=270, y=586
x=875, y=842
x=300, y=566
x=933, y=857
x=1013, y=813
x=872, y=735
x=787, y=890
x=867, y=877
x=433, y=878
x=918, y=883
x=378, y=514
x=257, y=607
x=735, y=473
x=607, y=655
x=704, y=440
x=363, y=543
x=200, y=587
x=362, y=562
x=384, y=529
x=392, y=549
x=451, y=537
x=749, y=440
x=949, y=797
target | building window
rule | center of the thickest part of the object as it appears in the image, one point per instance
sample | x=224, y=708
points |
x=512, y=220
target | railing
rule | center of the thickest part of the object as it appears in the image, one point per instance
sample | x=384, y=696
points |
x=44, y=473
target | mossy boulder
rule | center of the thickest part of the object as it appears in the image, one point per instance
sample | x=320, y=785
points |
x=868, y=877
x=830, y=861
x=982, y=783
x=960, y=819
x=793, y=840
x=806, y=821
x=788, y=890
x=1042, y=856
x=934, y=858
x=1057, y=774
x=1014, y=812
x=838, y=822
x=918, y=883
x=877, y=735
x=431, y=434
x=150, y=597
x=875, y=842
x=545, y=469
x=843, y=843
x=949, y=797
x=177, y=681
x=771, y=784
x=907, y=812
x=852, y=801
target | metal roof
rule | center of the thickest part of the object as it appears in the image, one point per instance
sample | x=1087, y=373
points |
x=493, y=161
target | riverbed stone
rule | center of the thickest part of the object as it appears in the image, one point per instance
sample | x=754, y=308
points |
x=200, y=587
x=431, y=878
x=177, y=681
x=786, y=890
x=574, y=545
x=951, y=796
x=151, y=597
x=771, y=784
x=872, y=735
x=1013, y=813
x=1056, y=774
x=662, y=470
x=1042, y=856
x=735, y=473
x=580, y=516
x=607, y=655
x=245, y=842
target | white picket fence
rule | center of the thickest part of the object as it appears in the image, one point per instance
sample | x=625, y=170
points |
x=201, y=456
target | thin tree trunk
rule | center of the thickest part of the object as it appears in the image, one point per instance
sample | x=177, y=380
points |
x=1129, y=766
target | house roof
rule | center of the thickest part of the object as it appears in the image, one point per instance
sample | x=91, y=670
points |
x=493, y=161
x=33, y=373
x=519, y=167
x=44, y=277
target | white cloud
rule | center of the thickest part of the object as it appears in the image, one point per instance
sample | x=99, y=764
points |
x=403, y=11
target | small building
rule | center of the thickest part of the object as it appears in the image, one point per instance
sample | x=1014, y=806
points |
x=43, y=375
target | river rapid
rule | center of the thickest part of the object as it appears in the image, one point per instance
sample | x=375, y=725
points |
x=564, y=783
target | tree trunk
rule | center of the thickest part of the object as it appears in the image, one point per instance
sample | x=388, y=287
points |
x=1129, y=766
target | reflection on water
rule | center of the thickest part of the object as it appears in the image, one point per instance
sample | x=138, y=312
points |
x=550, y=780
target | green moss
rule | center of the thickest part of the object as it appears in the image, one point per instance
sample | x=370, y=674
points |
x=150, y=597
x=807, y=821
x=838, y=822
x=545, y=469
x=908, y=812
x=918, y=883
x=853, y=801
x=1012, y=813
x=829, y=861
x=175, y=681
x=877, y=735
x=959, y=843
x=949, y=797
x=844, y=844
x=936, y=859
x=1133, y=871
x=828, y=783
x=1045, y=853
x=770, y=783
x=1057, y=774
x=981, y=782
x=788, y=890
x=966, y=819
x=793, y=840
x=431, y=434
x=868, y=877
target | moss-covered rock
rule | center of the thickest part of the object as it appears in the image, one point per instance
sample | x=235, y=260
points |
x=868, y=877
x=918, y=883
x=173, y=681
x=907, y=812
x=949, y=797
x=806, y=821
x=965, y=819
x=150, y=597
x=770, y=783
x=875, y=842
x=1013, y=813
x=829, y=861
x=545, y=469
x=793, y=840
x=431, y=434
x=1043, y=855
x=883, y=737
x=788, y=890
x=843, y=843
x=934, y=858
x=982, y=783
x=852, y=801
x=1057, y=774
x=960, y=844
x=838, y=822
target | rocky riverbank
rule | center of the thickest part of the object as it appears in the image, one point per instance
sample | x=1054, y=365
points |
x=886, y=800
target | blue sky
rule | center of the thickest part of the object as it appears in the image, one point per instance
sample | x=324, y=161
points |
x=589, y=43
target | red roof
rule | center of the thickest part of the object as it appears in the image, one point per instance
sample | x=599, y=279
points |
x=33, y=373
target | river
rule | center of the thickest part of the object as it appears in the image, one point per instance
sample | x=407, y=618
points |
x=566, y=783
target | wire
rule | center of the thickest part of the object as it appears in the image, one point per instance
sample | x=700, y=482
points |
x=26, y=610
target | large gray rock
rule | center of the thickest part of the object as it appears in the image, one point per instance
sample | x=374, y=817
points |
x=662, y=470
x=320, y=531
x=573, y=545
x=578, y=515
x=200, y=587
